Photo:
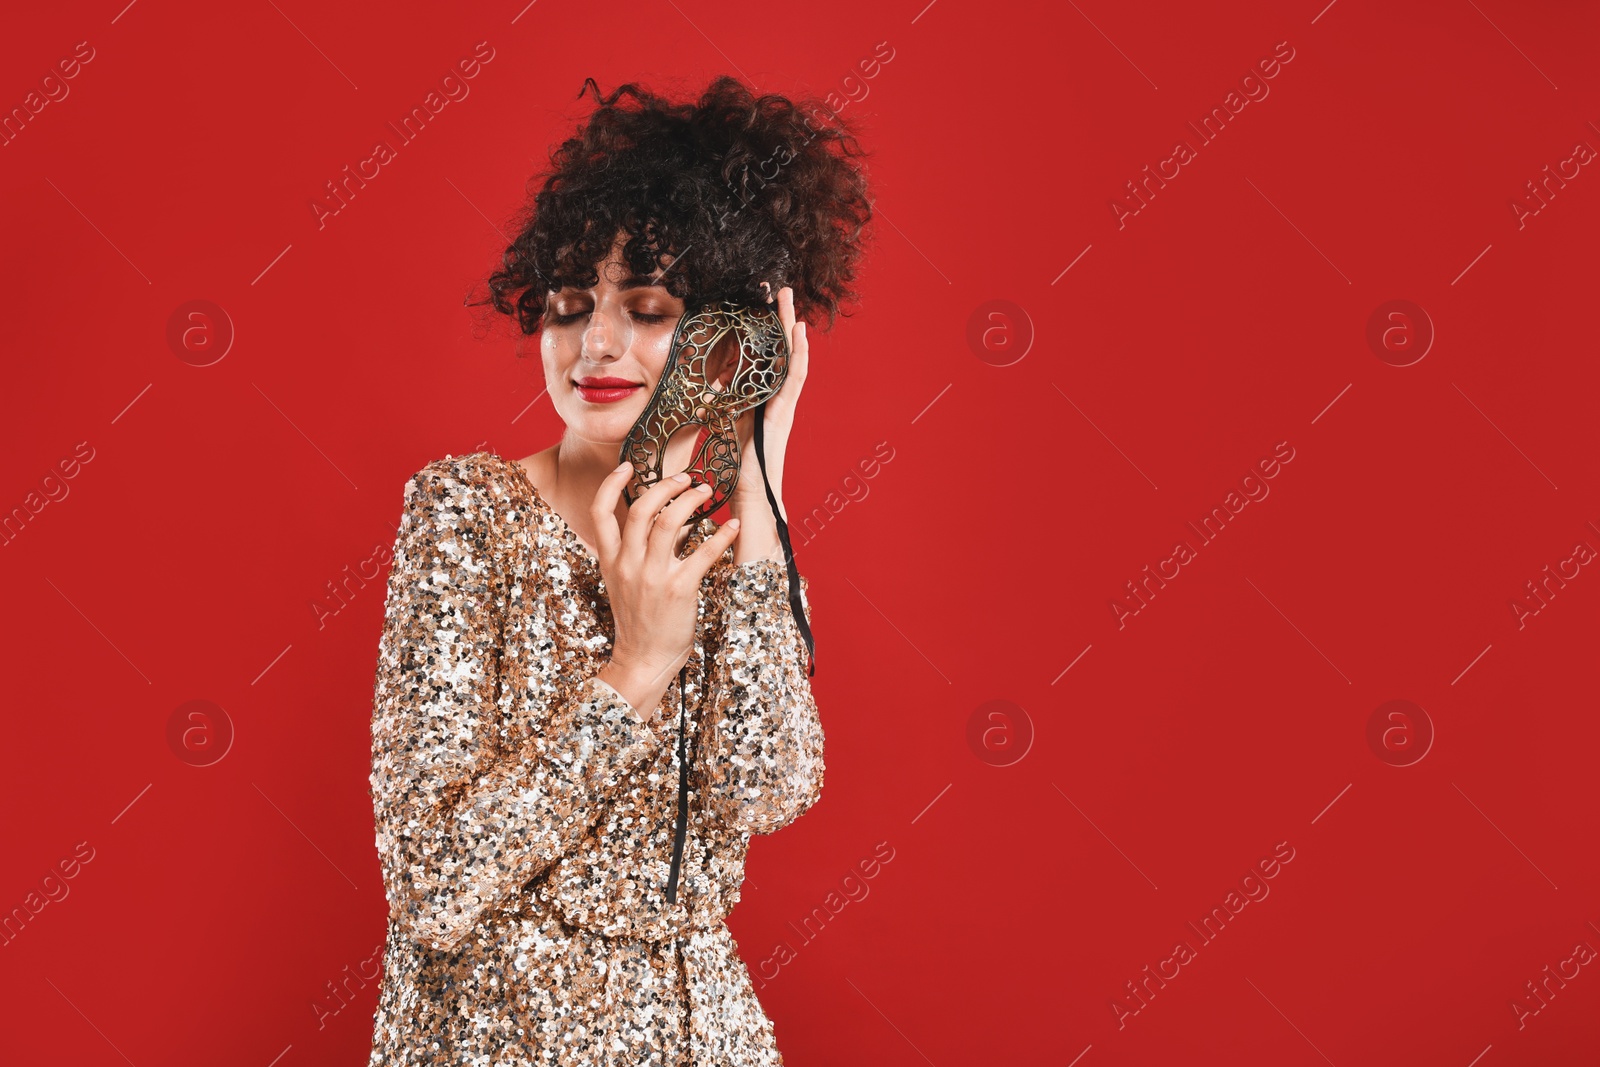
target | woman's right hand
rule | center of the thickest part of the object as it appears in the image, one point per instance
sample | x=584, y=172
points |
x=654, y=595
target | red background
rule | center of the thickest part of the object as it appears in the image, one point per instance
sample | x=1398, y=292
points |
x=976, y=565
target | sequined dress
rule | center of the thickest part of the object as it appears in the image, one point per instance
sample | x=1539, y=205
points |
x=525, y=811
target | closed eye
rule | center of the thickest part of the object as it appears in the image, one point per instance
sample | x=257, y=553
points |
x=558, y=319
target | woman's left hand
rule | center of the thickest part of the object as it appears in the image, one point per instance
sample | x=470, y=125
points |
x=758, y=530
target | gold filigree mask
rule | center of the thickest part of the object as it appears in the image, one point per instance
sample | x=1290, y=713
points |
x=687, y=399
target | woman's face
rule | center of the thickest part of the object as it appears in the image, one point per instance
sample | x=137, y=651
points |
x=604, y=349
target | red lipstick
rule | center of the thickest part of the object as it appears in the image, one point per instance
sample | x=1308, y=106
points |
x=606, y=390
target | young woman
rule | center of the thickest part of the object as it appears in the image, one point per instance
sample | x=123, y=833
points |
x=568, y=686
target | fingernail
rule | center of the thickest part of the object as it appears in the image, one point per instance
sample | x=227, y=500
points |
x=733, y=524
x=681, y=476
x=621, y=467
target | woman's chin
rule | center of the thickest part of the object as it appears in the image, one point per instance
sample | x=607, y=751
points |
x=608, y=427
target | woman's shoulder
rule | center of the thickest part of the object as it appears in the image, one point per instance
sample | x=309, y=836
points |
x=481, y=473
x=475, y=484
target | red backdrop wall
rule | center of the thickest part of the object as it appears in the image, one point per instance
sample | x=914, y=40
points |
x=1161, y=457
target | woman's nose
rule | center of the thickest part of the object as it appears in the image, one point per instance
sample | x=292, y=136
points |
x=601, y=337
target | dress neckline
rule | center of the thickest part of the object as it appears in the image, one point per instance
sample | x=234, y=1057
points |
x=568, y=534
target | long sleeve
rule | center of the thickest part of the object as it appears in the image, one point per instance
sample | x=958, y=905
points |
x=461, y=822
x=764, y=740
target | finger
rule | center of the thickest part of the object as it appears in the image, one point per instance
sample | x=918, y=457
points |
x=603, y=509
x=799, y=358
x=642, y=515
x=794, y=378
x=743, y=427
x=669, y=522
x=802, y=363
x=711, y=549
x=786, y=312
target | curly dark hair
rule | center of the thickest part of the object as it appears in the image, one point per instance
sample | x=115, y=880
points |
x=736, y=188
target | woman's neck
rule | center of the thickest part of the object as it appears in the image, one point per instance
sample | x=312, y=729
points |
x=573, y=469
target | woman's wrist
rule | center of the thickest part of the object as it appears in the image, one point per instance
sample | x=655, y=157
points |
x=749, y=551
x=758, y=534
x=638, y=683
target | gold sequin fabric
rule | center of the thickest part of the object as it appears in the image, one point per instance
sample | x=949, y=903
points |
x=525, y=811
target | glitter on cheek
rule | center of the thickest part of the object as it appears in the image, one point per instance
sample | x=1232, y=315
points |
x=525, y=810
